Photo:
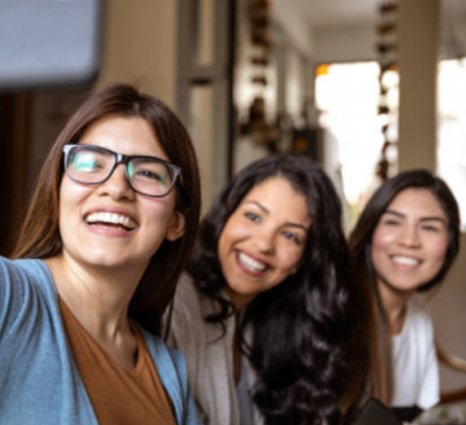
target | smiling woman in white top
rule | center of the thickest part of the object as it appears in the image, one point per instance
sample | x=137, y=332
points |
x=404, y=243
x=110, y=225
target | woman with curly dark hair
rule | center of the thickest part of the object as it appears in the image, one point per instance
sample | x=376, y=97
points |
x=404, y=242
x=262, y=315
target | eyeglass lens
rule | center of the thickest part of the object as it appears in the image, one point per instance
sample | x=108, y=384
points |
x=145, y=175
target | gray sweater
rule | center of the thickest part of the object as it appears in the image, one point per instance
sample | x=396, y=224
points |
x=209, y=356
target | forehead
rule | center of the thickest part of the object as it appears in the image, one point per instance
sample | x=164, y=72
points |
x=127, y=135
x=277, y=195
x=419, y=203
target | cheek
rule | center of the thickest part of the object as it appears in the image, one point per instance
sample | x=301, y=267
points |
x=66, y=209
x=290, y=257
x=381, y=238
x=156, y=213
x=379, y=242
x=65, y=204
x=232, y=232
x=223, y=243
x=438, y=252
x=71, y=194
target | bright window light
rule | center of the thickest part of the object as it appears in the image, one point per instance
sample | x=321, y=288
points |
x=451, y=142
x=347, y=96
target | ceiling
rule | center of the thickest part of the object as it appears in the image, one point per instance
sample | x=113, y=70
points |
x=327, y=13
x=302, y=17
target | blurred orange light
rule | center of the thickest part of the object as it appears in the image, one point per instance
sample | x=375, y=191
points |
x=322, y=69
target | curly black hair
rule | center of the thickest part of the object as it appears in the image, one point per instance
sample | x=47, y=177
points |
x=302, y=326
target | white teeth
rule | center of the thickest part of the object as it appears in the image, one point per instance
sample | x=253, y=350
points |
x=112, y=218
x=407, y=261
x=250, y=263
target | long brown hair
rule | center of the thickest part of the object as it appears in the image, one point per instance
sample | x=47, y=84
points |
x=380, y=379
x=39, y=235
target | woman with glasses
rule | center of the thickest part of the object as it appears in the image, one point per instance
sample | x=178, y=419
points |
x=403, y=244
x=263, y=314
x=110, y=225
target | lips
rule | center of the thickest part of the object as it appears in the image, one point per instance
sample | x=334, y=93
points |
x=250, y=263
x=111, y=219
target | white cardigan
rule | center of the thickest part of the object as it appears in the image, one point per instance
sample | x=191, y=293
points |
x=209, y=356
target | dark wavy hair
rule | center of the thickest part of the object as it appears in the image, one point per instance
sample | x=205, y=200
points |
x=300, y=326
x=39, y=235
x=360, y=241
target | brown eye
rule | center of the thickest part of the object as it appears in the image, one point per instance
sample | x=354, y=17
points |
x=252, y=216
x=292, y=237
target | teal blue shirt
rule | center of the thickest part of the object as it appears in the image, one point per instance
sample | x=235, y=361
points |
x=39, y=382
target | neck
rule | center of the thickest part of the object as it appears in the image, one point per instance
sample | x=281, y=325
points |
x=394, y=304
x=98, y=296
x=239, y=301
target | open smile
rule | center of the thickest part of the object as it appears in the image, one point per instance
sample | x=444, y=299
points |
x=405, y=260
x=111, y=219
x=250, y=264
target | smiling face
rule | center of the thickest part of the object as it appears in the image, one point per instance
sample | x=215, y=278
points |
x=263, y=240
x=410, y=242
x=108, y=224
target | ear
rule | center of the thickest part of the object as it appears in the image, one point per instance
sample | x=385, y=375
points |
x=176, y=227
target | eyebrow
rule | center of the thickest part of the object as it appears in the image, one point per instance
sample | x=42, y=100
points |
x=288, y=223
x=426, y=218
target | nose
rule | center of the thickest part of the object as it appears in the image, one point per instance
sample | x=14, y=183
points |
x=409, y=236
x=265, y=240
x=117, y=186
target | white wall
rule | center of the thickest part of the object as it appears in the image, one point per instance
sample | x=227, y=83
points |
x=140, y=46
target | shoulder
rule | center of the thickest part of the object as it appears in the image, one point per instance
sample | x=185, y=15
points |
x=22, y=269
x=188, y=329
x=189, y=305
x=27, y=297
x=20, y=279
x=186, y=291
x=188, y=313
x=190, y=299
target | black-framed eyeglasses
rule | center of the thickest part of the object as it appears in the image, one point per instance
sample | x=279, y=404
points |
x=147, y=175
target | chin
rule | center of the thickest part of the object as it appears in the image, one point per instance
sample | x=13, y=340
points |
x=104, y=258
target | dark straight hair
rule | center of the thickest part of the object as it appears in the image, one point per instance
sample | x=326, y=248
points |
x=380, y=382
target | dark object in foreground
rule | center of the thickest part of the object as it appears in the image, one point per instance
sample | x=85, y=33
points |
x=375, y=412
